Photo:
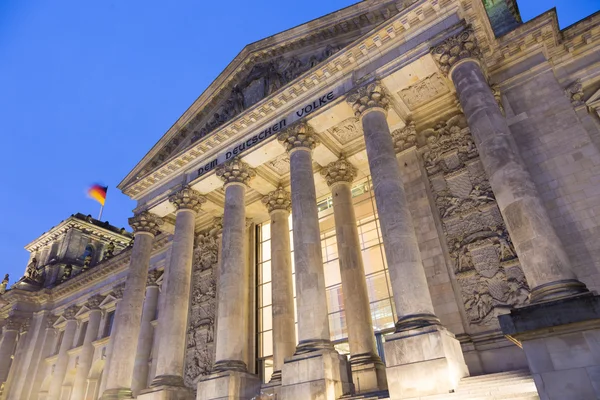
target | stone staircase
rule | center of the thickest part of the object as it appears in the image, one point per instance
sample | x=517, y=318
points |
x=513, y=385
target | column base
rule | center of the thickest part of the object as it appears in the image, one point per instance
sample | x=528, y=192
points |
x=165, y=392
x=228, y=385
x=117, y=394
x=423, y=361
x=557, y=290
x=368, y=373
x=321, y=374
x=560, y=339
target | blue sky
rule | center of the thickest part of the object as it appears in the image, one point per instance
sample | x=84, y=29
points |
x=88, y=87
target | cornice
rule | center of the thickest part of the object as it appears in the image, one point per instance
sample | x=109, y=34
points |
x=70, y=223
x=370, y=46
x=543, y=34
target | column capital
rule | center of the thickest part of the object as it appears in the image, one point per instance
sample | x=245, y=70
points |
x=298, y=136
x=455, y=49
x=50, y=321
x=235, y=171
x=339, y=171
x=153, y=278
x=368, y=97
x=187, y=199
x=278, y=199
x=145, y=222
x=94, y=302
x=13, y=323
x=70, y=312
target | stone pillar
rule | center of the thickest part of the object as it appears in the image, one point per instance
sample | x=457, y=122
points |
x=9, y=390
x=128, y=316
x=422, y=357
x=316, y=369
x=60, y=368
x=559, y=330
x=541, y=253
x=87, y=352
x=172, y=323
x=368, y=371
x=279, y=203
x=10, y=333
x=230, y=378
x=146, y=339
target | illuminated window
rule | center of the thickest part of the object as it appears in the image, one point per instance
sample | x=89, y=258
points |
x=378, y=283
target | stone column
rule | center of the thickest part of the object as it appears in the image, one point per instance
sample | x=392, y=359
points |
x=19, y=356
x=561, y=324
x=87, y=352
x=231, y=280
x=410, y=364
x=230, y=378
x=128, y=317
x=368, y=371
x=541, y=253
x=325, y=372
x=279, y=203
x=313, y=321
x=146, y=339
x=10, y=332
x=60, y=368
x=172, y=323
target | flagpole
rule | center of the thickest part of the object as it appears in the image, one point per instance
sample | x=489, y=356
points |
x=100, y=215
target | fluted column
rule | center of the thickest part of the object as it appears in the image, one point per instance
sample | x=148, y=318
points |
x=231, y=340
x=541, y=253
x=367, y=368
x=87, y=351
x=60, y=368
x=128, y=317
x=146, y=339
x=278, y=203
x=10, y=332
x=407, y=274
x=313, y=321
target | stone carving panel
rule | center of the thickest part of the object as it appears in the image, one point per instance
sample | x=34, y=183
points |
x=485, y=262
x=199, y=356
x=280, y=164
x=424, y=91
x=346, y=131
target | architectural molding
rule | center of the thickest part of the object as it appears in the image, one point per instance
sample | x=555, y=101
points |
x=340, y=171
x=187, y=199
x=146, y=222
x=235, y=171
x=372, y=95
x=279, y=199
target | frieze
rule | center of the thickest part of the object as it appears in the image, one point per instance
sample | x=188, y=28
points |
x=346, y=131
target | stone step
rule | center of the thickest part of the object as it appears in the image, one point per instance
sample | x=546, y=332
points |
x=381, y=395
x=496, y=376
x=497, y=383
x=462, y=396
x=508, y=389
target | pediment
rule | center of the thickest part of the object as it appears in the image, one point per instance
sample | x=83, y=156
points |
x=260, y=70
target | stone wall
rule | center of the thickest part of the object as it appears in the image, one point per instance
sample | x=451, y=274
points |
x=564, y=164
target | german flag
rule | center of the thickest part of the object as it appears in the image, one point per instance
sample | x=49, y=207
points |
x=98, y=193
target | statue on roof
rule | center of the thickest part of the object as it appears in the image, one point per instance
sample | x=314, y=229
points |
x=4, y=284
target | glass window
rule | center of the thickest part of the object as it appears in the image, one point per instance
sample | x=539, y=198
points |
x=378, y=284
x=82, y=333
x=109, y=323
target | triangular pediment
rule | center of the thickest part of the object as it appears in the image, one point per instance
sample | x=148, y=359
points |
x=260, y=70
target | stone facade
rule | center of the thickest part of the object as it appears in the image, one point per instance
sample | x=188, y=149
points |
x=475, y=139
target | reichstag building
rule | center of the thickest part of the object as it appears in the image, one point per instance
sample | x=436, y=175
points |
x=398, y=200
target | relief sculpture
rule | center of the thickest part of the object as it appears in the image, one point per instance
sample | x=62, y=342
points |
x=485, y=262
x=201, y=322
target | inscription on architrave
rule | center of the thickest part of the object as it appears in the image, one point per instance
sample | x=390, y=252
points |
x=485, y=263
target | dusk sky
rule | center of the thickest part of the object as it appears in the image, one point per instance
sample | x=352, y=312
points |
x=88, y=87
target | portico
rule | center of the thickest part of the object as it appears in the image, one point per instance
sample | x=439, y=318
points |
x=351, y=209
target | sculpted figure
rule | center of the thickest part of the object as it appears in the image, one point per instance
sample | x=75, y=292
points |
x=506, y=250
x=30, y=271
x=67, y=273
x=4, y=284
x=110, y=250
